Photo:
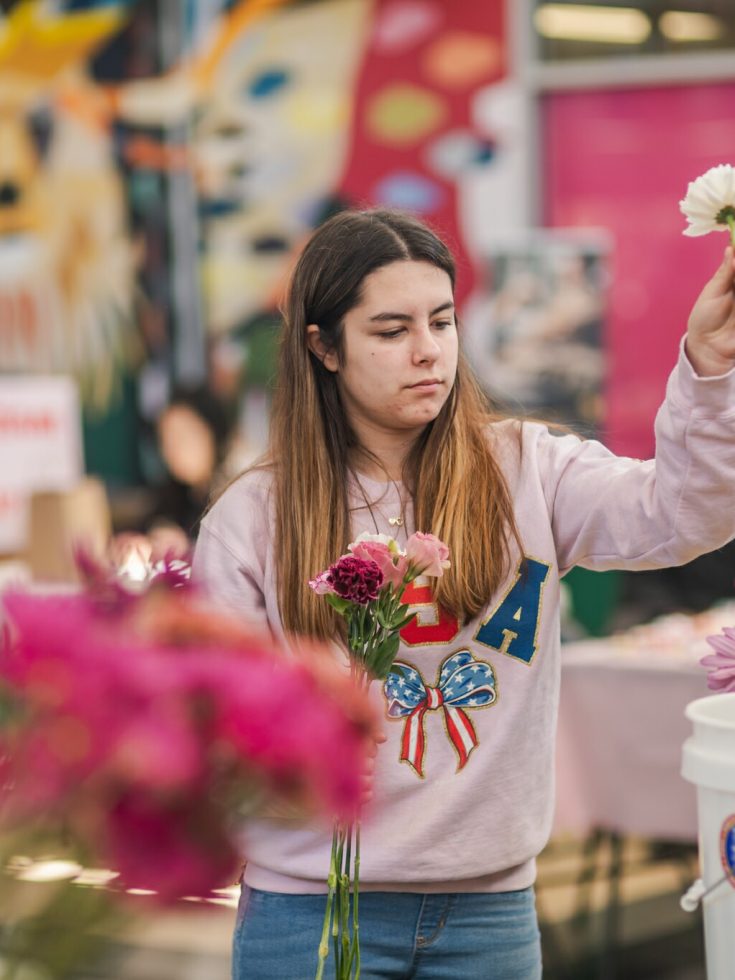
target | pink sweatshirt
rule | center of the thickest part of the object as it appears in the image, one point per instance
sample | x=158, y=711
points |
x=464, y=784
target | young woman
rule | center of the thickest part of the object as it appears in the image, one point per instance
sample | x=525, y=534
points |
x=378, y=426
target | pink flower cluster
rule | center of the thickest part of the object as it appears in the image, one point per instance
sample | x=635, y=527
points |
x=375, y=561
x=721, y=663
x=148, y=731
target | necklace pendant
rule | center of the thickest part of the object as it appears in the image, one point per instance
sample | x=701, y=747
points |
x=395, y=521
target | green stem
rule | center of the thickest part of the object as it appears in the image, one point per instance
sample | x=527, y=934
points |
x=331, y=885
x=730, y=218
x=345, y=907
x=337, y=919
x=363, y=617
x=335, y=940
x=355, y=951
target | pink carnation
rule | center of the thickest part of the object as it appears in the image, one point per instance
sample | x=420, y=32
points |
x=322, y=583
x=427, y=555
x=721, y=663
x=393, y=564
x=356, y=579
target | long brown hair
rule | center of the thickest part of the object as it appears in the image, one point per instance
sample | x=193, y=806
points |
x=459, y=491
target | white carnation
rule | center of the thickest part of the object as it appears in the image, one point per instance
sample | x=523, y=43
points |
x=367, y=536
x=390, y=543
x=709, y=204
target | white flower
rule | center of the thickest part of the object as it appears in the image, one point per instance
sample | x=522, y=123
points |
x=709, y=204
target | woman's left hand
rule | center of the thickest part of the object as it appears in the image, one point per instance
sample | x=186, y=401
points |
x=710, y=341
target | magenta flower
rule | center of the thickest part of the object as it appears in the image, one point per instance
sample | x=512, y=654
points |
x=721, y=663
x=180, y=848
x=356, y=579
x=427, y=555
x=146, y=731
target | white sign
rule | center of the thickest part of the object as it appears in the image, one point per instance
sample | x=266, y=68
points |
x=40, y=447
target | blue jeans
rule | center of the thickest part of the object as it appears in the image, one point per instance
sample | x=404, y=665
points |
x=403, y=936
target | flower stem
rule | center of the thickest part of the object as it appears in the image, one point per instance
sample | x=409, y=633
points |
x=345, y=851
x=331, y=885
x=355, y=951
x=345, y=909
x=337, y=919
x=730, y=218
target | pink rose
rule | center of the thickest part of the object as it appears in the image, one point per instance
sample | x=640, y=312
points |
x=427, y=555
x=392, y=563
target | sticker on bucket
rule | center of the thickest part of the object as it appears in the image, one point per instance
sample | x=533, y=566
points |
x=727, y=847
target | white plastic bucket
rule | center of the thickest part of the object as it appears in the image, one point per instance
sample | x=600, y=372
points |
x=709, y=762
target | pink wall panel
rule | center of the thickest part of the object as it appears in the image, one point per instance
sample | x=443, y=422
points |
x=622, y=160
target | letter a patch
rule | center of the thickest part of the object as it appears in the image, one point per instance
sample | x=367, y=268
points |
x=513, y=626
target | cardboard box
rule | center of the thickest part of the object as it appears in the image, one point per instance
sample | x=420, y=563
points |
x=62, y=521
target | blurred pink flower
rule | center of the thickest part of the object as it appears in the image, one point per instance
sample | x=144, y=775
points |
x=427, y=555
x=179, y=848
x=146, y=727
x=721, y=663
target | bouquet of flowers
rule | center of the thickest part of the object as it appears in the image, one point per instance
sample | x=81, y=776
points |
x=366, y=587
x=137, y=727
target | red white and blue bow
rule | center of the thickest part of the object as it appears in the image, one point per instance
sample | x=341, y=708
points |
x=463, y=683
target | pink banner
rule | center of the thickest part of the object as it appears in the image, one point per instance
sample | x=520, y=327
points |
x=622, y=160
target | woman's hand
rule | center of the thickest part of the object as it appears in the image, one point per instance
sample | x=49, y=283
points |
x=710, y=341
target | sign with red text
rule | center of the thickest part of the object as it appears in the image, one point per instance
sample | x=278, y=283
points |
x=40, y=447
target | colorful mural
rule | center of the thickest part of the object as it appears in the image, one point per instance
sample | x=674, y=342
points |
x=148, y=218
x=417, y=135
x=67, y=265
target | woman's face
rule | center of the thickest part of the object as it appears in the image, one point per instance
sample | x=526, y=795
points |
x=399, y=352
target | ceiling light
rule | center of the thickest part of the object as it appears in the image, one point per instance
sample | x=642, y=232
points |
x=605, y=25
x=681, y=25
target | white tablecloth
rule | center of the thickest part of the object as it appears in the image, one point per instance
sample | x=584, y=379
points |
x=622, y=727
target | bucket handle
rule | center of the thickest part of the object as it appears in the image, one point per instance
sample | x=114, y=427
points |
x=695, y=895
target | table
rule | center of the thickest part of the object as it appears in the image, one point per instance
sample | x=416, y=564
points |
x=619, y=744
x=622, y=726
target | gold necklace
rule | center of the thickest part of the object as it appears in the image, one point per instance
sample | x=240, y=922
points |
x=398, y=521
